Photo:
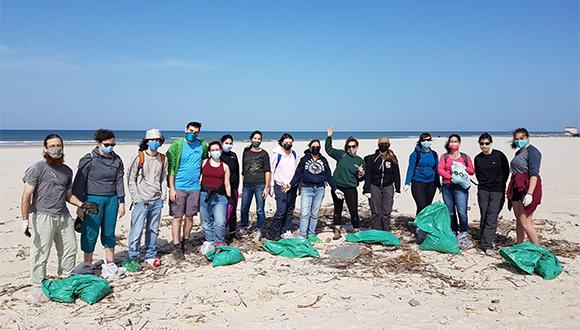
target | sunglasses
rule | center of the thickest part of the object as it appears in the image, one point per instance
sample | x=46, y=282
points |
x=484, y=143
x=106, y=145
x=427, y=140
x=352, y=146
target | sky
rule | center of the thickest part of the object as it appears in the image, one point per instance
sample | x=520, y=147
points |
x=290, y=65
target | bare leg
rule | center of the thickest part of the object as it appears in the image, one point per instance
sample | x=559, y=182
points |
x=88, y=258
x=176, y=230
x=519, y=213
x=529, y=228
x=187, y=227
x=109, y=255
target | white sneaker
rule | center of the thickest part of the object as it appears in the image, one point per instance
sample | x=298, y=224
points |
x=83, y=268
x=111, y=270
x=287, y=235
x=207, y=247
x=257, y=236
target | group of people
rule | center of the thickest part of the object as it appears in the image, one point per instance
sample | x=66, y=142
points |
x=205, y=178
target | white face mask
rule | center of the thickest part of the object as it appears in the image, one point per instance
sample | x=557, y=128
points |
x=228, y=147
x=54, y=152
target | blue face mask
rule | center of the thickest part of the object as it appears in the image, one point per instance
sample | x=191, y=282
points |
x=106, y=150
x=228, y=147
x=426, y=144
x=521, y=143
x=190, y=137
x=153, y=145
x=215, y=154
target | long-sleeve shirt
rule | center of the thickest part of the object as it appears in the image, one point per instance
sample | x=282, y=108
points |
x=345, y=174
x=283, y=166
x=492, y=171
x=151, y=181
x=313, y=172
x=381, y=173
x=425, y=170
x=99, y=175
x=231, y=159
x=444, y=167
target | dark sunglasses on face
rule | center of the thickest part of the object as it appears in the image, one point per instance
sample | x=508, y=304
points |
x=352, y=146
x=427, y=139
x=484, y=143
x=106, y=145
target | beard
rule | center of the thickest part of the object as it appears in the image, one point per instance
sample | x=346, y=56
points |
x=53, y=161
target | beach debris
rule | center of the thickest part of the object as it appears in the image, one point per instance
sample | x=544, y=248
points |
x=318, y=298
x=241, y=299
x=345, y=252
x=414, y=302
x=494, y=306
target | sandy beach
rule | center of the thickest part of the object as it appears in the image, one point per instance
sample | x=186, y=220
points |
x=376, y=291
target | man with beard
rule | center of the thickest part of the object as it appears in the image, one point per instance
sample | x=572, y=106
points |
x=47, y=188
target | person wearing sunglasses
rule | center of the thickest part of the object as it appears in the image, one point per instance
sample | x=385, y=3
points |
x=382, y=182
x=492, y=172
x=524, y=190
x=99, y=179
x=422, y=177
x=347, y=175
x=455, y=195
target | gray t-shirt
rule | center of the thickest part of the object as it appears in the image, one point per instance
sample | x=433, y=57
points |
x=527, y=160
x=50, y=186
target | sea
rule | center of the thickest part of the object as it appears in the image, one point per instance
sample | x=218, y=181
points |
x=9, y=137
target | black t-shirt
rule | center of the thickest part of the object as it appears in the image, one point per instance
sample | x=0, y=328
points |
x=254, y=166
x=492, y=171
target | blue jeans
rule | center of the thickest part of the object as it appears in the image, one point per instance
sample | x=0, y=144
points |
x=147, y=218
x=285, y=205
x=213, y=216
x=455, y=197
x=310, y=201
x=249, y=191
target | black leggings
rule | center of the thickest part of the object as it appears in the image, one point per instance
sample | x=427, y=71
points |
x=423, y=194
x=351, y=198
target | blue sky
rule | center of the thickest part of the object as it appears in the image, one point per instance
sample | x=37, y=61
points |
x=290, y=65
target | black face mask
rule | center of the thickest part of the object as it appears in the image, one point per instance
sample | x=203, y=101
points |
x=287, y=146
x=256, y=144
x=383, y=148
x=315, y=151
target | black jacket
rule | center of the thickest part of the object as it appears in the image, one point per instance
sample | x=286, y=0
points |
x=231, y=159
x=381, y=173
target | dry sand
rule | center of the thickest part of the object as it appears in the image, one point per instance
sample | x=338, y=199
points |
x=374, y=292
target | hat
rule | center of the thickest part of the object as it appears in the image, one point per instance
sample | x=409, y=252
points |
x=154, y=133
x=384, y=140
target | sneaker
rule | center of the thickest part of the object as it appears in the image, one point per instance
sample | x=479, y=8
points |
x=287, y=235
x=490, y=252
x=83, y=268
x=257, y=236
x=110, y=270
x=336, y=233
x=207, y=247
x=241, y=233
x=178, y=252
x=463, y=241
x=154, y=262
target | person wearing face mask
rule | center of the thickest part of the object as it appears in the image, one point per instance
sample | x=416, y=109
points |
x=283, y=164
x=99, y=179
x=215, y=195
x=382, y=181
x=311, y=175
x=422, y=177
x=184, y=171
x=256, y=183
x=454, y=195
x=524, y=191
x=147, y=184
x=347, y=175
x=492, y=172
x=47, y=188
x=230, y=158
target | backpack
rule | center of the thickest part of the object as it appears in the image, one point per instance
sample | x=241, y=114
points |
x=464, y=156
x=280, y=158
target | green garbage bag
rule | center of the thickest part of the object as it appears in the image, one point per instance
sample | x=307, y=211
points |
x=313, y=239
x=532, y=258
x=374, y=236
x=88, y=287
x=224, y=255
x=132, y=265
x=434, y=220
x=291, y=248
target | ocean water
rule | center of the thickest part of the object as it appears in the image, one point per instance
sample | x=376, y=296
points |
x=35, y=137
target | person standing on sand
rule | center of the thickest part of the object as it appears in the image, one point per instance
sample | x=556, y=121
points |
x=47, y=188
x=422, y=176
x=454, y=195
x=99, y=179
x=311, y=175
x=283, y=165
x=230, y=158
x=256, y=183
x=214, y=199
x=492, y=172
x=382, y=182
x=184, y=157
x=147, y=183
x=348, y=173
x=524, y=191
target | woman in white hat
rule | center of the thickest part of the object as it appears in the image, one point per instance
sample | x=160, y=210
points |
x=147, y=187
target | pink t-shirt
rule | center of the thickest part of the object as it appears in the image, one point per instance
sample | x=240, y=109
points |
x=444, y=167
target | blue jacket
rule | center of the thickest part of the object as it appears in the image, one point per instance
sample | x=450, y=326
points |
x=425, y=170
